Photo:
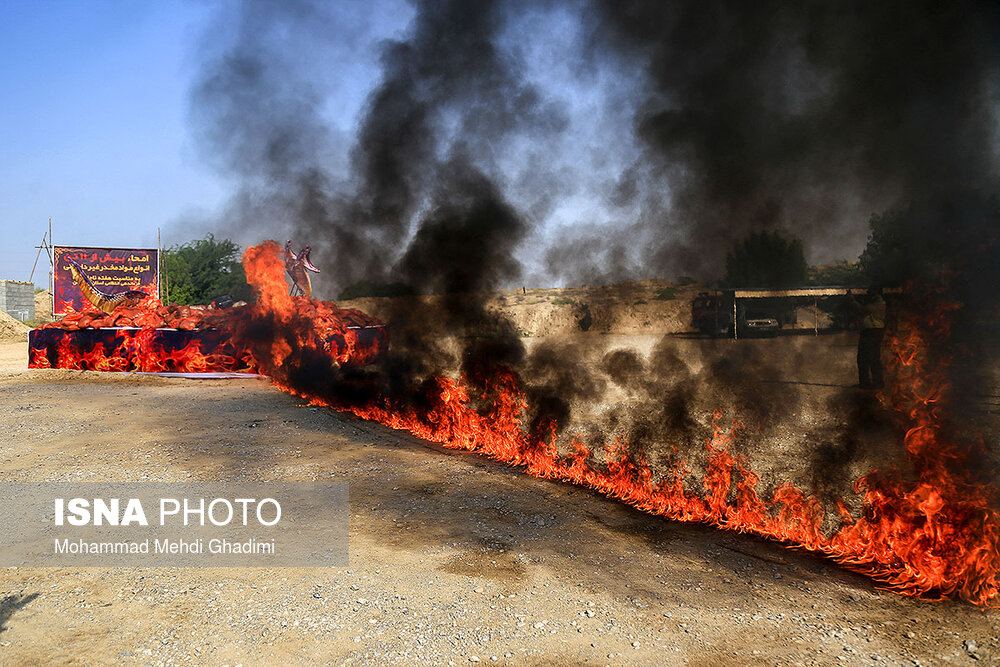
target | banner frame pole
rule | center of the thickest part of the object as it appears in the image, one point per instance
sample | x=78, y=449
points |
x=159, y=251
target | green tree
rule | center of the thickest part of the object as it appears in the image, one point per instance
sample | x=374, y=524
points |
x=201, y=271
x=894, y=253
x=766, y=259
x=936, y=240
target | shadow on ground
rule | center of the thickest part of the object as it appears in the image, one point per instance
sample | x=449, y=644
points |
x=11, y=604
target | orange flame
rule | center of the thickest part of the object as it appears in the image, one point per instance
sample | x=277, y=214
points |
x=933, y=537
x=136, y=350
x=145, y=349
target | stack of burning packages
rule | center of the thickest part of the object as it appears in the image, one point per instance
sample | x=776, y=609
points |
x=134, y=332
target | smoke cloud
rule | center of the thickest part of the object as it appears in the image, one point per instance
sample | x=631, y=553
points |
x=806, y=117
x=476, y=156
x=687, y=124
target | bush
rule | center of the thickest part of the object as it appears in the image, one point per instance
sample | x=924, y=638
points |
x=941, y=240
x=766, y=259
x=665, y=294
x=201, y=271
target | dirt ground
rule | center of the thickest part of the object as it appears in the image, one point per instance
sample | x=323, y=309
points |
x=12, y=329
x=453, y=559
x=635, y=309
x=638, y=308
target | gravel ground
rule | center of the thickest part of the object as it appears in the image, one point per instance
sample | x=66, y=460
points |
x=453, y=559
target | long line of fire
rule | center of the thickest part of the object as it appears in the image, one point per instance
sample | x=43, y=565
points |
x=933, y=535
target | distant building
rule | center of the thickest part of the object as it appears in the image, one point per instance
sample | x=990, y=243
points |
x=18, y=299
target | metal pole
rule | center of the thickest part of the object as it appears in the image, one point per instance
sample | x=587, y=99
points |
x=37, y=255
x=815, y=316
x=159, y=251
x=736, y=322
x=52, y=264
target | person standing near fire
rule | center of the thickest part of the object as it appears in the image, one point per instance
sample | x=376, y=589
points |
x=871, y=324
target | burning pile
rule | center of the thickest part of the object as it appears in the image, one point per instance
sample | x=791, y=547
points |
x=151, y=337
x=196, y=318
x=469, y=156
x=934, y=536
x=934, y=533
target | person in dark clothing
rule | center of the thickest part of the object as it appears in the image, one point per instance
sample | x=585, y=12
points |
x=871, y=323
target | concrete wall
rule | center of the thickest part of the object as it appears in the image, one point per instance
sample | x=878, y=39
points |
x=18, y=299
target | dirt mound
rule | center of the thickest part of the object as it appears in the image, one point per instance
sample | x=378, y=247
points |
x=12, y=329
x=647, y=307
x=43, y=305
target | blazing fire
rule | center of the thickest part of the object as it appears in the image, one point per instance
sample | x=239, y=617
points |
x=156, y=338
x=934, y=536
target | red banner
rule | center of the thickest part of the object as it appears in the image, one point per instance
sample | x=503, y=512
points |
x=111, y=270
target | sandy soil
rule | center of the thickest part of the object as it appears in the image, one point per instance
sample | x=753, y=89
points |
x=639, y=308
x=43, y=305
x=11, y=329
x=453, y=559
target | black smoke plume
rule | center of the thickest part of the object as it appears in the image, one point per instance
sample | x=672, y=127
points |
x=806, y=116
x=802, y=117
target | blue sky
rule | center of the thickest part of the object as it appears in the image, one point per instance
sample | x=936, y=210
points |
x=93, y=125
x=96, y=130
